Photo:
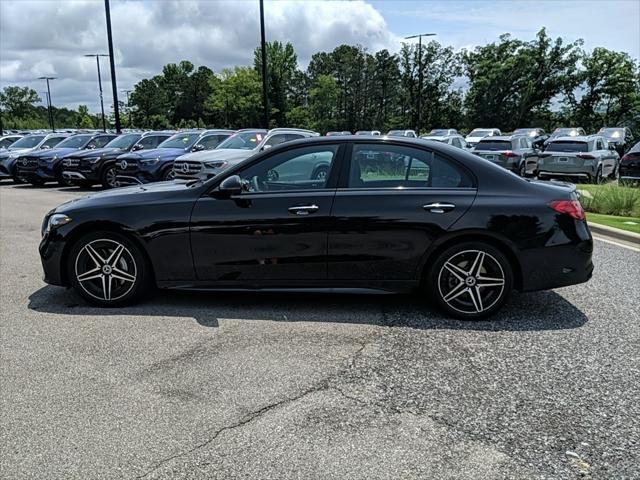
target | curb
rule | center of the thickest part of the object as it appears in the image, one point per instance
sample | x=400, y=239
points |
x=616, y=233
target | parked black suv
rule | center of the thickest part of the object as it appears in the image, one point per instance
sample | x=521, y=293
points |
x=37, y=168
x=86, y=168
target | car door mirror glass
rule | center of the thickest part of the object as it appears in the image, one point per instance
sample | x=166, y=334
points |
x=265, y=147
x=138, y=146
x=198, y=147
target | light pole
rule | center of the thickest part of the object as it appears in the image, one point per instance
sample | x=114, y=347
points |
x=419, y=99
x=50, y=103
x=112, y=63
x=127, y=92
x=98, y=55
x=263, y=47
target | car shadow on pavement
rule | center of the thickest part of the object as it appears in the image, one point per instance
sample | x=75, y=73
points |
x=525, y=312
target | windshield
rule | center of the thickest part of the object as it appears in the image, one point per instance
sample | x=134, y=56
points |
x=77, y=141
x=568, y=147
x=28, y=142
x=480, y=133
x=562, y=132
x=494, y=145
x=180, y=140
x=243, y=141
x=363, y=132
x=609, y=132
x=124, y=142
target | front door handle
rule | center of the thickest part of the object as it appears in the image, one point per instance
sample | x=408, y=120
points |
x=438, y=207
x=303, y=209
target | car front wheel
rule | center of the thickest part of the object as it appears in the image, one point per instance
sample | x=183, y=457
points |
x=109, y=177
x=471, y=280
x=107, y=269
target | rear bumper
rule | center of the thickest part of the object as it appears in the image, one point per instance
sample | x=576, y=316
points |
x=547, y=173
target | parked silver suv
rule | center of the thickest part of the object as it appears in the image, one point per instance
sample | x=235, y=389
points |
x=235, y=149
x=583, y=157
x=513, y=152
x=452, y=139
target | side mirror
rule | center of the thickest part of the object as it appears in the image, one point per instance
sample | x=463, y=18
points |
x=45, y=147
x=137, y=146
x=198, y=147
x=231, y=186
x=612, y=146
x=266, y=147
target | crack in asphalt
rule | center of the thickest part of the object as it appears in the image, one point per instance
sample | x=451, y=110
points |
x=321, y=386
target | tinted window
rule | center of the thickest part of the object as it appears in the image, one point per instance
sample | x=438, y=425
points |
x=52, y=142
x=76, y=141
x=243, y=140
x=494, y=145
x=180, y=140
x=275, y=140
x=393, y=166
x=99, y=142
x=124, y=141
x=211, y=141
x=152, y=141
x=294, y=136
x=304, y=168
x=568, y=147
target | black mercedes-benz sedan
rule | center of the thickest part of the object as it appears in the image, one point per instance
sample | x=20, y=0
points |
x=393, y=214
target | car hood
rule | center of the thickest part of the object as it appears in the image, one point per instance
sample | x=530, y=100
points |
x=161, y=153
x=219, y=154
x=15, y=152
x=134, y=195
x=99, y=152
x=53, y=152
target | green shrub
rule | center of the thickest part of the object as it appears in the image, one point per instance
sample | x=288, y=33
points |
x=610, y=200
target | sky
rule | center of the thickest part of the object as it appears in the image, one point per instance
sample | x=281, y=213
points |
x=50, y=37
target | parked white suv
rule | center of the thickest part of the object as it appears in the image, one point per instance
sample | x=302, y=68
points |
x=478, y=134
x=235, y=149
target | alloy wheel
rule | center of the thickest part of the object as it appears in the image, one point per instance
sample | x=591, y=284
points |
x=321, y=175
x=105, y=269
x=471, y=281
x=111, y=177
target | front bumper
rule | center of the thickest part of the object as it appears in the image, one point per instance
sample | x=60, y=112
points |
x=51, y=251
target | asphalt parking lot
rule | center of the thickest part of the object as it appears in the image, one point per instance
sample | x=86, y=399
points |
x=259, y=385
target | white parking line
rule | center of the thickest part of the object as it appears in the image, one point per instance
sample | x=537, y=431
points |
x=623, y=245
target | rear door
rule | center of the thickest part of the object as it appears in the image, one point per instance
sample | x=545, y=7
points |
x=393, y=201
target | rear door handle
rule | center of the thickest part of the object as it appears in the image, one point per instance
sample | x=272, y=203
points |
x=439, y=207
x=303, y=209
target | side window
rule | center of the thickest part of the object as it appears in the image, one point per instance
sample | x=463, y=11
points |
x=99, y=142
x=276, y=140
x=150, y=142
x=393, y=166
x=305, y=168
x=456, y=142
x=211, y=141
x=524, y=143
x=293, y=136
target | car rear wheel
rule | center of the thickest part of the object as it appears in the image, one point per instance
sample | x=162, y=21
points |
x=598, y=179
x=107, y=269
x=523, y=169
x=109, y=177
x=471, y=280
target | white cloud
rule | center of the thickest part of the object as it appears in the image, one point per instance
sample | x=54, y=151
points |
x=50, y=38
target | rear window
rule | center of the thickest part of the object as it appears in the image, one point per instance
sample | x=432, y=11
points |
x=568, y=147
x=494, y=145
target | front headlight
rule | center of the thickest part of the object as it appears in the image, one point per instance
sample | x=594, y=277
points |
x=151, y=161
x=93, y=159
x=55, y=221
x=215, y=164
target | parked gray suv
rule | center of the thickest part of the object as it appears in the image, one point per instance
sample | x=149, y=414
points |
x=235, y=149
x=583, y=157
x=452, y=139
x=515, y=153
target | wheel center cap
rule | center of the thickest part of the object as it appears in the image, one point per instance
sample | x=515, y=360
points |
x=470, y=281
x=106, y=270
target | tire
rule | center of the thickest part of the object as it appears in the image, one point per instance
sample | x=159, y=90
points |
x=522, y=171
x=470, y=280
x=321, y=174
x=168, y=175
x=102, y=279
x=598, y=179
x=108, y=177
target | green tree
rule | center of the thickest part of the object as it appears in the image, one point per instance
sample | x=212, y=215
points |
x=235, y=100
x=608, y=92
x=282, y=63
x=512, y=81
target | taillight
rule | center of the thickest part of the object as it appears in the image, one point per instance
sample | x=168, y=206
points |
x=586, y=156
x=509, y=153
x=625, y=158
x=570, y=207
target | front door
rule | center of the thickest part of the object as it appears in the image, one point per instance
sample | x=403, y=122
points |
x=391, y=205
x=274, y=231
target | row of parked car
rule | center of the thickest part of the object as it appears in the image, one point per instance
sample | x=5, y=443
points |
x=111, y=160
